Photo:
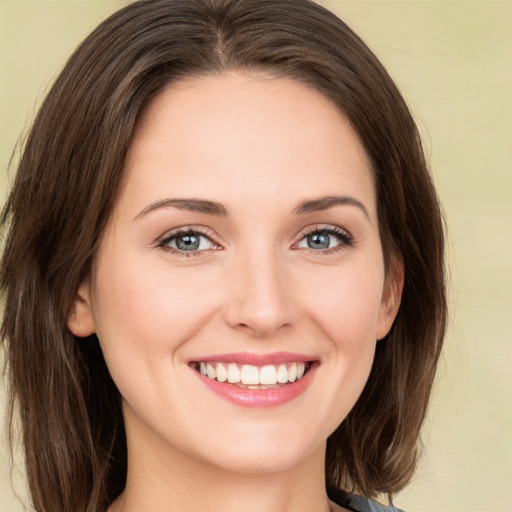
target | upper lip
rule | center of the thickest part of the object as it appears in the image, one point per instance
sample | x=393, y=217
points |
x=255, y=359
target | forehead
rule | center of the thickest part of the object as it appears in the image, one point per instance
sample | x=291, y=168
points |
x=238, y=136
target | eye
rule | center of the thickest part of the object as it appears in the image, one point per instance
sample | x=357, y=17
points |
x=323, y=239
x=187, y=241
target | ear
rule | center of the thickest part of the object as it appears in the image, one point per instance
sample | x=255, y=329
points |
x=81, y=320
x=391, y=297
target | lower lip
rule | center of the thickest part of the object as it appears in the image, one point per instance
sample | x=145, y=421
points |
x=270, y=397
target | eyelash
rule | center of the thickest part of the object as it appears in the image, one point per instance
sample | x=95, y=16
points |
x=345, y=238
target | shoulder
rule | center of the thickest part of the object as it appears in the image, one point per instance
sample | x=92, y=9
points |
x=357, y=503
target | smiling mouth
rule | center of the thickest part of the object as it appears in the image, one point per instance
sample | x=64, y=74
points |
x=253, y=377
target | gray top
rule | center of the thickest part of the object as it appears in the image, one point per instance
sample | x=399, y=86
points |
x=358, y=503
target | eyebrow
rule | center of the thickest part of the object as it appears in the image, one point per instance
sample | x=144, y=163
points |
x=214, y=208
x=324, y=203
x=189, y=204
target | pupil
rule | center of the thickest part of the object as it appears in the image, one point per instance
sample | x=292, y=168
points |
x=187, y=242
x=318, y=241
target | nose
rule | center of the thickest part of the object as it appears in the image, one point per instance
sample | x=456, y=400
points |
x=260, y=297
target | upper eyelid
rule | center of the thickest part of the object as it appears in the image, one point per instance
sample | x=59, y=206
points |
x=207, y=232
x=322, y=227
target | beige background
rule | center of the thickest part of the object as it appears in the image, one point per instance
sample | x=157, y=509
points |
x=452, y=60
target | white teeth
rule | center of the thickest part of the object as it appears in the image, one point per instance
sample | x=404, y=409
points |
x=292, y=372
x=282, y=374
x=222, y=373
x=249, y=375
x=233, y=373
x=210, y=371
x=268, y=375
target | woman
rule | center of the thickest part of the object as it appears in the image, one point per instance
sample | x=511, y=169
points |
x=223, y=268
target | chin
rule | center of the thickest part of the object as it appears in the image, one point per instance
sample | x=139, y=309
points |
x=264, y=452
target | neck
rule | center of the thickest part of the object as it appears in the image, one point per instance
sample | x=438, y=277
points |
x=162, y=479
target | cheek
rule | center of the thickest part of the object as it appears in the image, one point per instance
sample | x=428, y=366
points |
x=342, y=306
x=142, y=320
x=347, y=304
x=143, y=312
x=347, y=311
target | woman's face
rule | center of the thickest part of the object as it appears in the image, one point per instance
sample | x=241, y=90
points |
x=244, y=243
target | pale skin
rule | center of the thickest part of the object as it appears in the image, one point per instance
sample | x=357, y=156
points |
x=262, y=158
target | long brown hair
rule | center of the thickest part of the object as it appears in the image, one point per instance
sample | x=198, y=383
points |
x=65, y=187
